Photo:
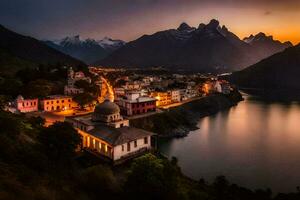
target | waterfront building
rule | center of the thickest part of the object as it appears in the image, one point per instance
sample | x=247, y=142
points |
x=225, y=86
x=105, y=133
x=26, y=105
x=175, y=95
x=136, y=103
x=163, y=98
x=56, y=103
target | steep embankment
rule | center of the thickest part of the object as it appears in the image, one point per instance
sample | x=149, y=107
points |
x=178, y=121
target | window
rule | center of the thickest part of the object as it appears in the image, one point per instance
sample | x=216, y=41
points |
x=62, y=101
x=69, y=100
x=128, y=146
x=47, y=102
x=122, y=147
x=135, y=143
x=145, y=140
x=57, y=101
x=51, y=102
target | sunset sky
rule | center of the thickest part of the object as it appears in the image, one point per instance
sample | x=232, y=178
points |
x=129, y=19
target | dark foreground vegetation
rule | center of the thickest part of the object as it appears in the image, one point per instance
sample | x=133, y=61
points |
x=41, y=163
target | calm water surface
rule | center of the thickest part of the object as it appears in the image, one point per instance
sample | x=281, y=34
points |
x=255, y=144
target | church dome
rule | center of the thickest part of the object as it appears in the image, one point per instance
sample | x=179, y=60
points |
x=107, y=108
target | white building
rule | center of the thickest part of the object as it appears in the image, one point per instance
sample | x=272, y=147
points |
x=107, y=134
x=71, y=90
x=175, y=95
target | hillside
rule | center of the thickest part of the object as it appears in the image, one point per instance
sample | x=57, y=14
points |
x=18, y=51
x=280, y=71
x=208, y=48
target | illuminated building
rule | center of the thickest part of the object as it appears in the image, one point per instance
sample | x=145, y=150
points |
x=135, y=103
x=163, y=98
x=106, y=134
x=56, y=103
x=175, y=96
x=26, y=105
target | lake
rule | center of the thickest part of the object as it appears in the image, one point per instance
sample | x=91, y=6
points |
x=255, y=144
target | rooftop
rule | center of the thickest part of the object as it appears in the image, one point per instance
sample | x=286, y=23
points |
x=140, y=99
x=57, y=97
x=117, y=136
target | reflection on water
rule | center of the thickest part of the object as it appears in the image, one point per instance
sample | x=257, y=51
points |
x=255, y=144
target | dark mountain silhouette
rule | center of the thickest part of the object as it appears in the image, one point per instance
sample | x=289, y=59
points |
x=17, y=51
x=280, y=71
x=265, y=46
x=208, y=48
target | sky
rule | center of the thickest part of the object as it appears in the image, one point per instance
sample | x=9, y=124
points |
x=130, y=19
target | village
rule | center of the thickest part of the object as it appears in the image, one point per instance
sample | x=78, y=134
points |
x=102, y=115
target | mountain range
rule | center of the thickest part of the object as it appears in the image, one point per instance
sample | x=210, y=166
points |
x=207, y=48
x=88, y=50
x=18, y=51
x=279, y=71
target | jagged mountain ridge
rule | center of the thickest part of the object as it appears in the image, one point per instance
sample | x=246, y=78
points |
x=88, y=50
x=208, y=48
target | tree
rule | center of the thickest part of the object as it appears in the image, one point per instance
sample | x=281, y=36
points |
x=99, y=181
x=89, y=88
x=38, y=88
x=153, y=178
x=10, y=86
x=59, y=142
x=84, y=99
x=3, y=101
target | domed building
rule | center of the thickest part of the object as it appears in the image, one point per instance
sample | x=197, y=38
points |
x=106, y=112
x=109, y=114
x=106, y=133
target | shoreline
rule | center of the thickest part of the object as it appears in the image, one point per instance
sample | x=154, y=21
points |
x=179, y=121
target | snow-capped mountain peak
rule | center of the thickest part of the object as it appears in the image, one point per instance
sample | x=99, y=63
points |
x=74, y=40
x=110, y=44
